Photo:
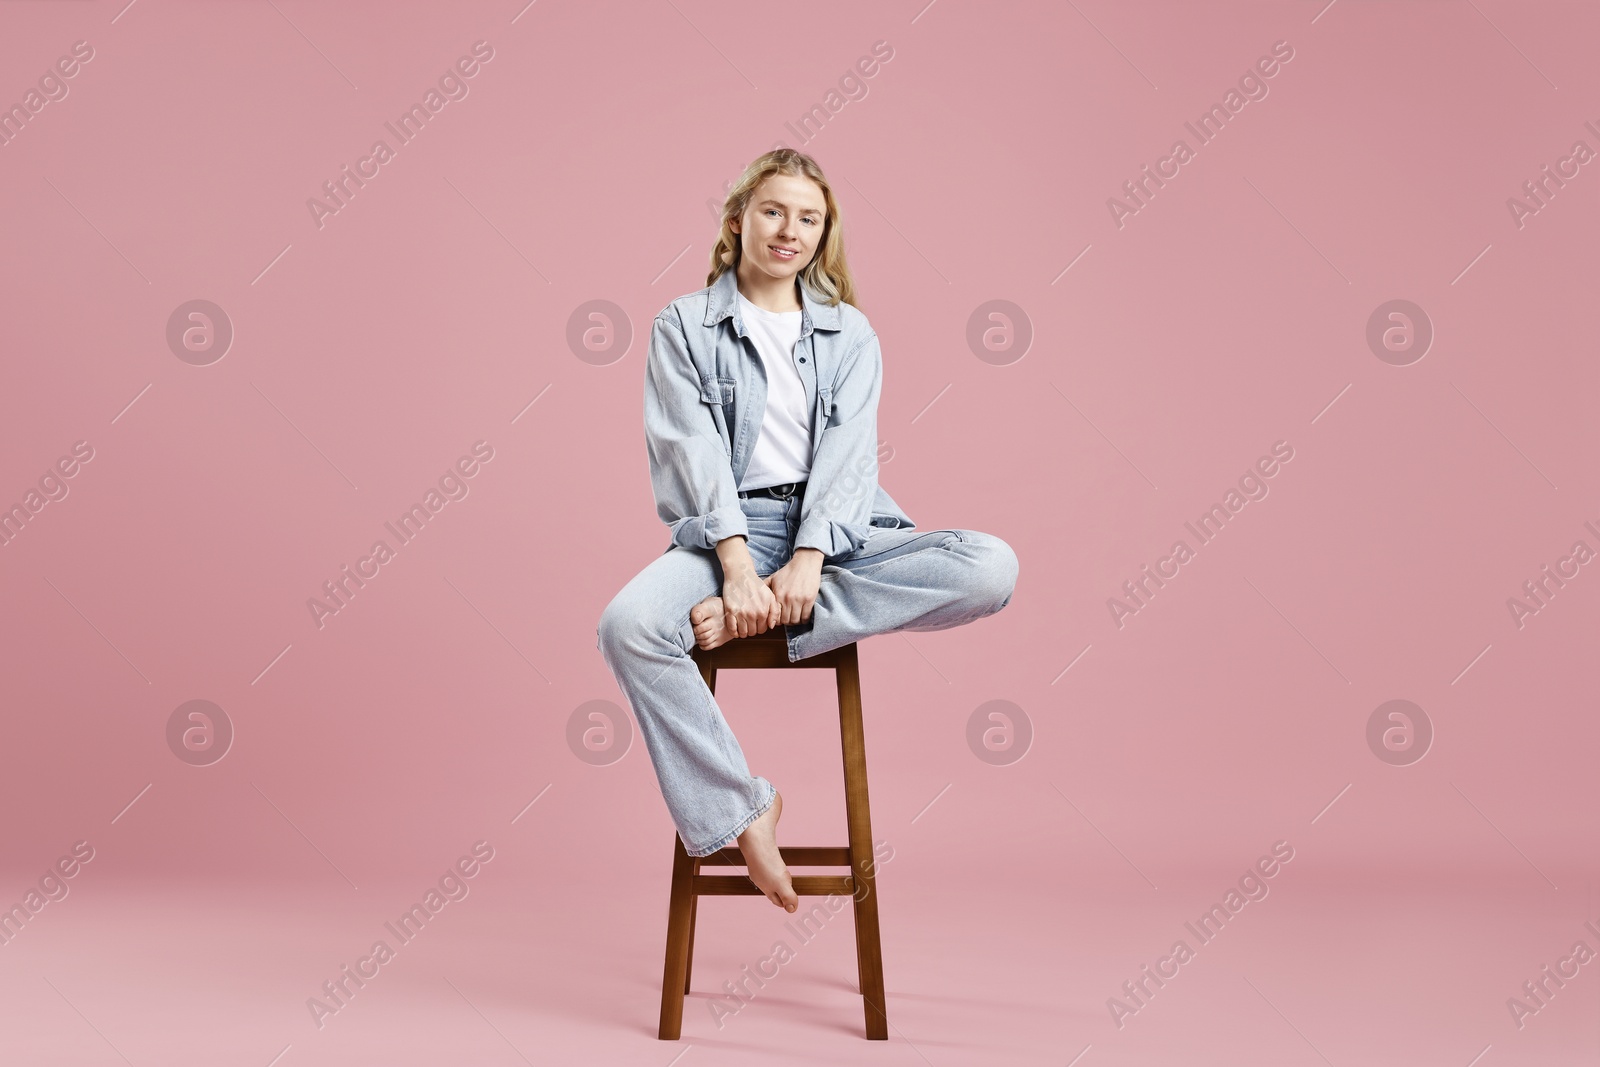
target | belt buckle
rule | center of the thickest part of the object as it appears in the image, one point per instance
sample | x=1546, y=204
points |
x=788, y=486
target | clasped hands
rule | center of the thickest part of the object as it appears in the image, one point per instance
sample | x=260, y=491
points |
x=752, y=604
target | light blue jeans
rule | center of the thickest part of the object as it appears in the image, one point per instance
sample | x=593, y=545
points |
x=899, y=580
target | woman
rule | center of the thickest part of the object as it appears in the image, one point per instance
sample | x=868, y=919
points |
x=760, y=413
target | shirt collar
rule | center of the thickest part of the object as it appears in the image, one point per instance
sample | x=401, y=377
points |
x=723, y=302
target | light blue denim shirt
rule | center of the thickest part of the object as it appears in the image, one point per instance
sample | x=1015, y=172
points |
x=705, y=390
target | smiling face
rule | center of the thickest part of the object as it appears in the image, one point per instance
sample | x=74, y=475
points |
x=782, y=227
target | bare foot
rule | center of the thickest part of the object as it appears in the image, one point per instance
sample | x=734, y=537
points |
x=709, y=626
x=759, y=843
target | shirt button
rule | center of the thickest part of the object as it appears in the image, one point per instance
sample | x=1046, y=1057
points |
x=802, y=359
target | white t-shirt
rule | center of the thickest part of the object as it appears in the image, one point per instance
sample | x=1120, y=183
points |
x=782, y=451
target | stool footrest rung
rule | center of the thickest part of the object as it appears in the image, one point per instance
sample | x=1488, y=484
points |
x=733, y=885
x=804, y=856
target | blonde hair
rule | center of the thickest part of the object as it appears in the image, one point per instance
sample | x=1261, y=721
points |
x=827, y=274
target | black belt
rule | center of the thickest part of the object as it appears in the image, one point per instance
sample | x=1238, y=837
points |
x=782, y=491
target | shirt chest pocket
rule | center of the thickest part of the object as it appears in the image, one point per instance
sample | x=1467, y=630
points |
x=718, y=391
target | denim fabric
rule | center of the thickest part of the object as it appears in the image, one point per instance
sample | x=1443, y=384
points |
x=898, y=579
x=704, y=395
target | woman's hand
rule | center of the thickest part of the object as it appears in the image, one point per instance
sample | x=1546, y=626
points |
x=794, y=586
x=748, y=606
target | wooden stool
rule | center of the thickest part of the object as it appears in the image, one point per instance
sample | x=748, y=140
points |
x=766, y=651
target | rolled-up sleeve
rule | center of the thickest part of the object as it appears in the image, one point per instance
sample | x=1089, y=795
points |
x=689, y=470
x=836, y=513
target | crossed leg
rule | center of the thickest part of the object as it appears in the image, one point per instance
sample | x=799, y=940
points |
x=898, y=580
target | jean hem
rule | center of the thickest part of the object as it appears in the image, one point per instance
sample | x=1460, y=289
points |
x=791, y=642
x=728, y=838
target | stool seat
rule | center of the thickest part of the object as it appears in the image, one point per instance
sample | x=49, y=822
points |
x=770, y=651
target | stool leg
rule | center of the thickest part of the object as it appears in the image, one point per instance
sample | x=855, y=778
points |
x=680, y=913
x=869, y=947
x=861, y=967
x=694, y=909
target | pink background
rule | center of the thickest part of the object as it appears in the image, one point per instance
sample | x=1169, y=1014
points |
x=370, y=353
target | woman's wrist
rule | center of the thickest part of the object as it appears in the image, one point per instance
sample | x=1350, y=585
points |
x=812, y=556
x=734, y=555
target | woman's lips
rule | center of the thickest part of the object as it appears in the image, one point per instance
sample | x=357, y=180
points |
x=780, y=254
